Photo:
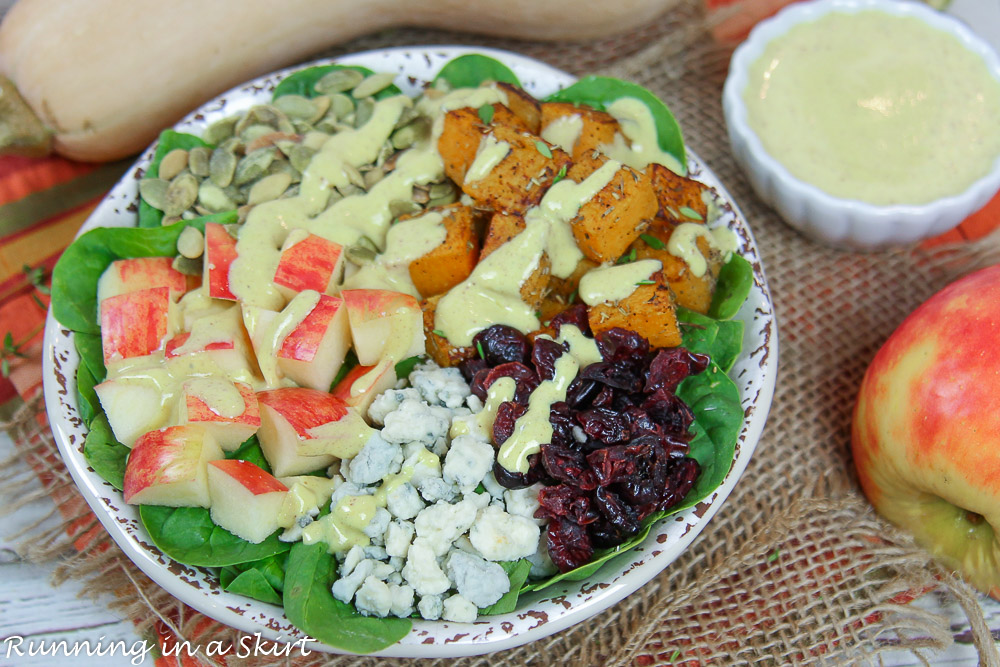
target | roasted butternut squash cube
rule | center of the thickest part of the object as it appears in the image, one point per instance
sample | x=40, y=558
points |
x=690, y=291
x=614, y=218
x=597, y=127
x=524, y=106
x=519, y=180
x=563, y=288
x=502, y=228
x=438, y=347
x=451, y=262
x=649, y=311
x=461, y=133
x=678, y=195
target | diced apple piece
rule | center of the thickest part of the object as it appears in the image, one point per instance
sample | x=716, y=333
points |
x=363, y=383
x=211, y=403
x=220, y=251
x=133, y=407
x=384, y=324
x=303, y=430
x=246, y=500
x=136, y=324
x=169, y=467
x=141, y=273
x=217, y=344
x=308, y=262
x=314, y=351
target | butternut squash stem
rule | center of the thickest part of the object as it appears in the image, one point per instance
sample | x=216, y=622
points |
x=21, y=131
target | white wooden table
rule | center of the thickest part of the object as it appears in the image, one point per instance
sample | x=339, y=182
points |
x=31, y=608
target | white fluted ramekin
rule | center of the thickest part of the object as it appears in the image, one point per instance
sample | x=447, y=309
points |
x=831, y=220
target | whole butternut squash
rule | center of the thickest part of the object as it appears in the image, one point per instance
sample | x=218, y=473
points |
x=97, y=80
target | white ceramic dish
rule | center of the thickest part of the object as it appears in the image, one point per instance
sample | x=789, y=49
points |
x=831, y=220
x=539, y=614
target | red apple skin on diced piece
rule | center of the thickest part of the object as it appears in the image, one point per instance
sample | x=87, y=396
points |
x=220, y=252
x=384, y=324
x=133, y=407
x=135, y=324
x=314, y=351
x=314, y=263
x=133, y=275
x=303, y=430
x=169, y=467
x=363, y=383
x=229, y=432
x=245, y=500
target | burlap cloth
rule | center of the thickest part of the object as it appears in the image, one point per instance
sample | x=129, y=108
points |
x=795, y=568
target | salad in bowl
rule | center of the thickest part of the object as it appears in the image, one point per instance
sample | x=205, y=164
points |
x=393, y=362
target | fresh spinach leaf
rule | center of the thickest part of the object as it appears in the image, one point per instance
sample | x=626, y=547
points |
x=104, y=453
x=470, y=70
x=250, y=451
x=732, y=288
x=169, y=140
x=226, y=575
x=406, y=366
x=272, y=569
x=350, y=361
x=188, y=535
x=91, y=352
x=87, y=402
x=75, y=276
x=304, y=81
x=600, y=91
x=253, y=584
x=722, y=341
x=517, y=571
x=311, y=607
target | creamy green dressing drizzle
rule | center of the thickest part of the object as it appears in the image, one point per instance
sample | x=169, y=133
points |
x=406, y=241
x=564, y=132
x=639, y=127
x=220, y=395
x=343, y=527
x=492, y=293
x=269, y=329
x=481, y=423
x=876, y=107
x=616, y=281
x=683, y=243
x=533, y=429
x=489, y=154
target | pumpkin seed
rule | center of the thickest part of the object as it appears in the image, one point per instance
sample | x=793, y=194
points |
x=403, y=207
x=170, y=219
x=188, y=266
x=315, y=139
x=213, y=198
x=341, y=105
x=292, y=191
x=242, y=212
x=154, y=192
x=253, y=165
x=253, y=133
x=421, y=194
x=173, y=163
x=268, y=188
x=181, y=194
x=191, y=243
x=373, y=84
x=301, y=127
x=348, y=190
x=198, y=161
x=438, y=190
x=443, y=200
x=262, y=114
x=191, y=214
x=408, y=115
x=328, y=126
x=220, y=130
x=221, y=167
x=405, y=136
x=373, y=176
x=284, y=167
x=300, y=156
x=360, y=255
x=354, y=175
x=338, y=81
x=386, y=157
x=237, y=194
x=233, y=144
x=363, y=112
x=298, y=107
x=321, y=106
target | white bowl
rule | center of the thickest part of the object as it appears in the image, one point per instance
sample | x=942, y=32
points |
x=538, y=614
x=828, y=219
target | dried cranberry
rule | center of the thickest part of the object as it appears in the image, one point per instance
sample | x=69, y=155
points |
x=669, y=411
x=568, y=465
x=524, y=377
x=569, y=544
x=617, y=374
x=680, y=480
x=618, y=513
x=608, y=426
x=617, y=463
x=639, y=422
x=670, y=366
x=501, y=344
x=619, y=344
x=575, y=315
x=503, y=425
x=470, y=367
x=563, y=500
x=478, y=385
x=562, y=421
x=604, y=534
x=544, y=356
x=581, y=392
x=516, y=480
x=605, y=398
x=652, y=463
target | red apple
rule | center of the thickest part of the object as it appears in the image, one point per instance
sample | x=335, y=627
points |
x=136, y=323
x=303, y=430
x=169, y=467
x=134, y=405
x=308, y=262
x=132, y=275
x=927, y=426
x=246, y=501
x=313, y=352
x=217, y=344
x=384, y=324
x=220, y=251
x=363, y=383
x=204, y=402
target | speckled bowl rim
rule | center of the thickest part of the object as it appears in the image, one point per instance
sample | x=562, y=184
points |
x=539, y=614
x=800, y=12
